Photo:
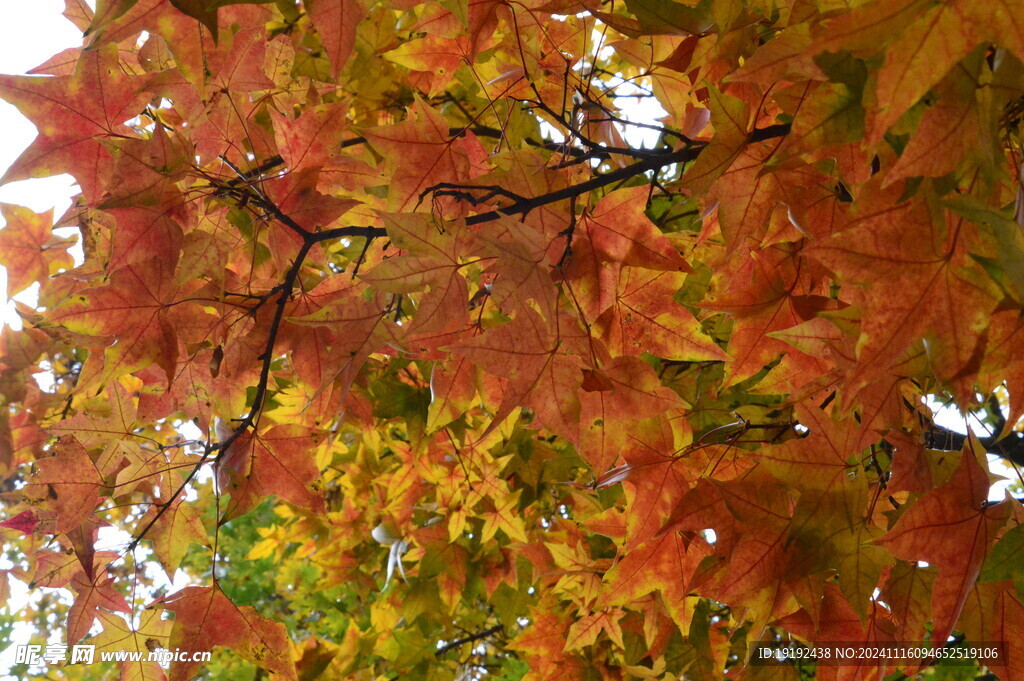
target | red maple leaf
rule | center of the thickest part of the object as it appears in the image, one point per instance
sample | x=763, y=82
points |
x=951, y=527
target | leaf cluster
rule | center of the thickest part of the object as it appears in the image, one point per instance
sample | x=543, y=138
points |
x=535, y=339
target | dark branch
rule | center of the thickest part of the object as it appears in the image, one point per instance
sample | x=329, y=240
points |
x=254, y=174
x=285, y=292
x=462, y=192
x=340, y=232
x=1010, y=447
x=656, y=161
x=771, y=132
x=452, y=645
x=618, y=175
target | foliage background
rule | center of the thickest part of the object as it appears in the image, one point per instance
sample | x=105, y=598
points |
x=500, y=448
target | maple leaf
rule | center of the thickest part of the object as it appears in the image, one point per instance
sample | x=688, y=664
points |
x=27, y=242
x=666, y=564
x=837, y=621
x=152, y=633
x=275, y=462
x=68, y=483
x=752, y=515
x=655, y=474
x=70, y=112
x=205, y=618
x=960, y=508
x=1004, y=625
x=137, y=310
x=57, y=569
x=770, y=294
x=174, y=527
x=918, y=262
x=451, y=391
x=643, y=318
x=540, y=374
x=954, y=122
x=93, y=428
x=824, y=458
x=543, y=643
x=585, y=630
x=746, y=197
x=613, y=398
x=423, y=155
x=526, y=173
x=91, y=594
x=296, y=193
x=929, y=47
x=787, y=55
x=25, y=522
x=433, y=260
x=730, y=117
x=308, y=140
x=192, y=48
x=336, y=23
x=146, y=171
x=622, y=234
x=521, y=278
x=907, y=589
x=433, y=54
x=356, y=326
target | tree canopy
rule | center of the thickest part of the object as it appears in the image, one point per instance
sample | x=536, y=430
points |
x=540, y=339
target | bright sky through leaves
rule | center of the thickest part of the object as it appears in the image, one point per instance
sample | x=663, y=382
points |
x=33, y=32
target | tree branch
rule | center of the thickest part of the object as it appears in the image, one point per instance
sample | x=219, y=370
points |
x=617, y=175
x=286, y=287
x=1010, y=447
x=452, y=645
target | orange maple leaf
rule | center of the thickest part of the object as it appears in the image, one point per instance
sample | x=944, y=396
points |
x=951, y=527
